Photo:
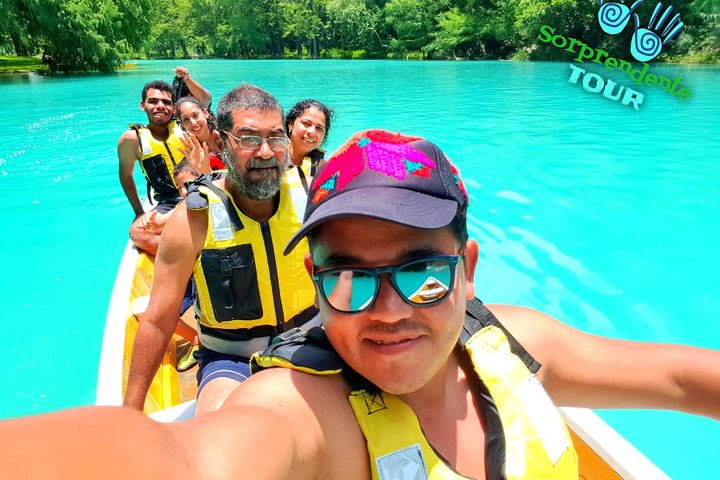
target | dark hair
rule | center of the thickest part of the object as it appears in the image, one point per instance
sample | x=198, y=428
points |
x=161, y=85
x=457, y=226
x=183, y=166
x=211, y=120
x=303, y=105
x=244, y=97
x=180, y=88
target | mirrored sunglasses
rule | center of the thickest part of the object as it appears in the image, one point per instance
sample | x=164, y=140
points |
x=421, y=282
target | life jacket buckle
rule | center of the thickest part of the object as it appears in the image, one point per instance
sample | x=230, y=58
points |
x=290, y=334
x=225, y=266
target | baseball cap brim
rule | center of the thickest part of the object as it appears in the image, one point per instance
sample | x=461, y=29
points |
x=396, y=205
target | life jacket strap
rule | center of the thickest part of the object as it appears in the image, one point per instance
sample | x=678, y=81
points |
x=478, y=316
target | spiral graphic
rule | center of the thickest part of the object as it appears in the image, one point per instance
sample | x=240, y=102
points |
x=613, y=17
x=645, y=45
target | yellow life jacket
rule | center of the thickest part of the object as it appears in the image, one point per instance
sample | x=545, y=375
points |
x=526, y=438
x=308, y=168
x=246, y=288
x=158, y=161
x=537, y=443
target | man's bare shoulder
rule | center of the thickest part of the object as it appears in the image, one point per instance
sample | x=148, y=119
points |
x=540, y=334
x=183, y=235
x=315, y=411
x=281, y=387
x=128, y=137
x=521, y=321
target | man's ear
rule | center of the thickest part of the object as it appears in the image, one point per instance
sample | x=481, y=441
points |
x=469, y=264
x=142, y=105
x=307, y=261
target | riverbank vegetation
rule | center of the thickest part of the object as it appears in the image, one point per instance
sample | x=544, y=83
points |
x=78, y=35
x=21, y=65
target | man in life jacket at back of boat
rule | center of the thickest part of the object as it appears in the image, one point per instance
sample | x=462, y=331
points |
x=229, y=234
x=156, y=146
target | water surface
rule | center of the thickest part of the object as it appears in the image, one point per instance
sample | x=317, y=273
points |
x=601, y=216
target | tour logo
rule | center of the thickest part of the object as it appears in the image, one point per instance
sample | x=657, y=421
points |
x=647, y=43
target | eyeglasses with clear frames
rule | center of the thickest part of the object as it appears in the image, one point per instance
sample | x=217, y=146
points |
x=254, y=142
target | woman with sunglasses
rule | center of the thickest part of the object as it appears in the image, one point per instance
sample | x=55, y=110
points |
x=307, y=124
x=197, y=121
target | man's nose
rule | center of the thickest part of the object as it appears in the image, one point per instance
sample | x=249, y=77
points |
x=265, y=150
x=388, y=306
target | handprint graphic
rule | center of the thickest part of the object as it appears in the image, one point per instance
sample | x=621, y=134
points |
x=613, y=17
x=646, y=44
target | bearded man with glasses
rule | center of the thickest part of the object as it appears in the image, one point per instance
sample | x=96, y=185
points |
x=229, y=234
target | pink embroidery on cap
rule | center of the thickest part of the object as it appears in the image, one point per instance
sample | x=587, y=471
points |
x=377, y=150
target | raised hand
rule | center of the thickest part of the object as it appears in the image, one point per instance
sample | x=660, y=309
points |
x=198, y=156
x=181, y=72
x=613, y=17
x=646, y=44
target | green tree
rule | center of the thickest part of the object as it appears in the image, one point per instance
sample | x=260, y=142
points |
x=302, y=25
x=14, y=28
x=353, y=25
x=475, y=29
x=705, y=34
x=412, y=22
x=173, y=28
x=237, y=28
x=87, y=34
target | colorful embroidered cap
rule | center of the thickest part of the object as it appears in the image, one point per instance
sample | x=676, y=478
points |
x=388, y=176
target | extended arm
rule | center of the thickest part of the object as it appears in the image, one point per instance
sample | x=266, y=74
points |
x=121, y=443
x=585, y=370
x=197, y=90
x=278, y=425
x=127, y=155
x=180, y=244
x=89, y=443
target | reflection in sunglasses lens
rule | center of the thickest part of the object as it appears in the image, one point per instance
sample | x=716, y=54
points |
x=422, y=282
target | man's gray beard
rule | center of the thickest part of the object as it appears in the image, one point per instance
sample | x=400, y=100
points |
x=255, y=190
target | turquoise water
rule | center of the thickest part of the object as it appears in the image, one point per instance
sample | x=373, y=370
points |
x=600, y=215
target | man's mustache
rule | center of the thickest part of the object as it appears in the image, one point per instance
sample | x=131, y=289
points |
x=261, y=163
x=408, y=326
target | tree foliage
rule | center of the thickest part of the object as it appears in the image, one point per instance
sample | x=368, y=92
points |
x=79, y=35
x=99, y=34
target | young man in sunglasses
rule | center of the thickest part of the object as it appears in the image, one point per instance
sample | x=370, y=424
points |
x=229, y=235
x=402, y=382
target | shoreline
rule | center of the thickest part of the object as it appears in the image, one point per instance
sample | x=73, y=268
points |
x=10, y=65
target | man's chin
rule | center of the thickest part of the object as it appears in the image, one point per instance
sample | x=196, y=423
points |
x=160, y=123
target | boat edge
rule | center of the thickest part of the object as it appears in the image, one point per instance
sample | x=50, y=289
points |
x=629, y=462
x=110, y=372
